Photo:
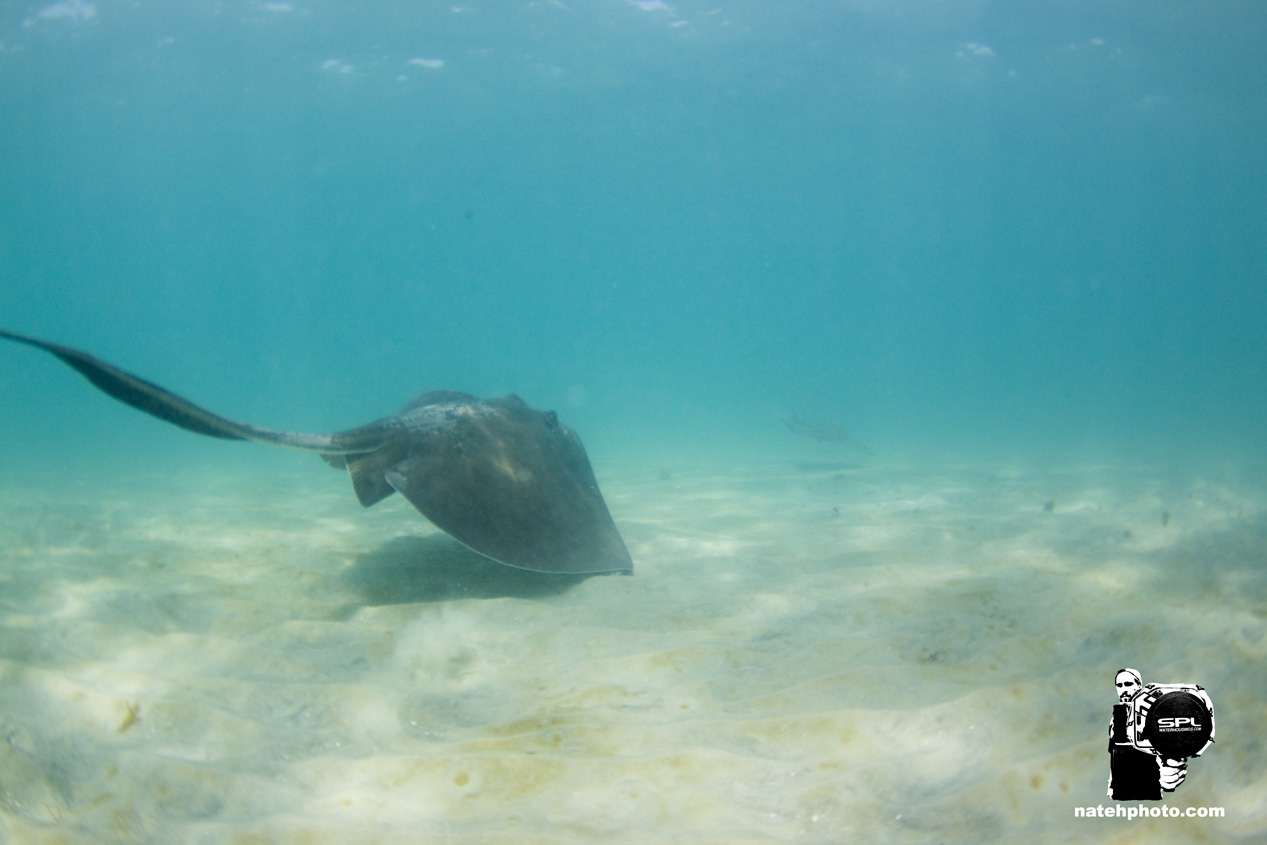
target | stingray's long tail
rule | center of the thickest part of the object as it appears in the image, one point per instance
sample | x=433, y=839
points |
x=157, y=402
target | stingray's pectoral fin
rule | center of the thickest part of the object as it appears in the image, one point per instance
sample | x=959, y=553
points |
x=544, y=524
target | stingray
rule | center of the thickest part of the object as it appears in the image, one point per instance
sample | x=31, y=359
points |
x=823, y=432
x=509, y=482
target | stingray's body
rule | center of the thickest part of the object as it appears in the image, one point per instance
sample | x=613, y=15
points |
x=509, y=482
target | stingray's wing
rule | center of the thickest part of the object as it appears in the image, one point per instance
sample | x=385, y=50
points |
x=515, y=485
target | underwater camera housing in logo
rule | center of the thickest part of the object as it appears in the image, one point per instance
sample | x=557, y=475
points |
x=1173, y=720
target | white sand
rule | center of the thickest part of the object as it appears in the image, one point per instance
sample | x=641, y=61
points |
x=808, y=652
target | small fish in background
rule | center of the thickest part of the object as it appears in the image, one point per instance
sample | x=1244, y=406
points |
x=824, y=432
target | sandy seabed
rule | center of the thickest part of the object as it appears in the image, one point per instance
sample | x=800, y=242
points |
x=809, y=651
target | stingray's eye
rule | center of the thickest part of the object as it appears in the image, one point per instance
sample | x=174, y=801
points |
x=552, y=419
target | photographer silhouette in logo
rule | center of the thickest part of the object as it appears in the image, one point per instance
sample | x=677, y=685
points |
x=1155, y=729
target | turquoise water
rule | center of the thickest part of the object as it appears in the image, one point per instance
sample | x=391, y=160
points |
x=1011, y=253
x=944, y=226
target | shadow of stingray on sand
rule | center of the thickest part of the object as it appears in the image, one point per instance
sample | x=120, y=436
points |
x=438, y=568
